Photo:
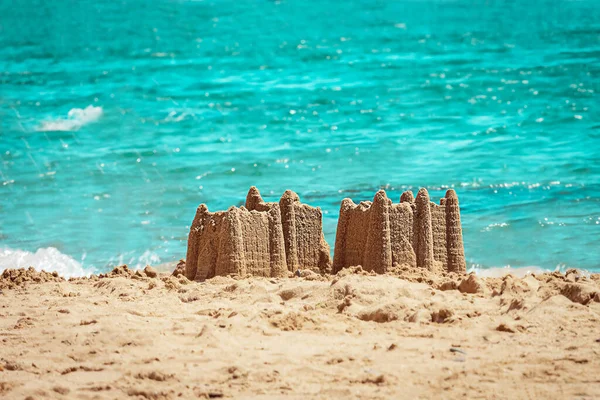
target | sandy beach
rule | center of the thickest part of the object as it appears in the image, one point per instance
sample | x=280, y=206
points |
x=299, y=200
x=352, y=335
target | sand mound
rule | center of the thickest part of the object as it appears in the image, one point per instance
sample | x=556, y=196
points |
x=13, y=278
x=376, y=298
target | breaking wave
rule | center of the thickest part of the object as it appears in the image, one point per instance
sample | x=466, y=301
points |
x=51, y=259
x=48, y=259
x=76, y=118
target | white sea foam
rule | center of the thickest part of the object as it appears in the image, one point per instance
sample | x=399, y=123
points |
x=51, y=259
x=134, y=260
x=76, y=118
x=48, y=259
x=498, y=272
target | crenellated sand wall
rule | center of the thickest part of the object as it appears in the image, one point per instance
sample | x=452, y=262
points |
x=415, y=232
x=260, y=239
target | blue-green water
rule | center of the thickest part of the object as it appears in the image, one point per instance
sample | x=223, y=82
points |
x=117, y=118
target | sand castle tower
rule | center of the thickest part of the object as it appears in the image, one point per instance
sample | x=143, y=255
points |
x=305, y=245
x=261, y=239
x=414, y=232
x=235, y=242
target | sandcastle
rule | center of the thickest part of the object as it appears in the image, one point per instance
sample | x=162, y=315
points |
x=260, y=239
x=415, y=232
x=272, y=239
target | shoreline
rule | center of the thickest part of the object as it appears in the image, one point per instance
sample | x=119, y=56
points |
x=354, y=334
x=76, y=270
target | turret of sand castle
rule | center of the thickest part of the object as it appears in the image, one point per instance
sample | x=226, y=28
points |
x=260, y=239
x=305, y=245
x=415, y=232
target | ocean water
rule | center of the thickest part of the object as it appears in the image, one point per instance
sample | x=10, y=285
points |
x=118, y=118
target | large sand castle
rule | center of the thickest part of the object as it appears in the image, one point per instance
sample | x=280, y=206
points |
x=271, y=239
x=260, y=239
x=418, y=233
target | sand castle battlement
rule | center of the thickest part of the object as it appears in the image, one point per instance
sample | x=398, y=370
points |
x=305, y=245
x=235, y=242
x=260, y=239
x=414, y=232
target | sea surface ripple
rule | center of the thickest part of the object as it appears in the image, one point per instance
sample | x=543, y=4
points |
x=118, y=118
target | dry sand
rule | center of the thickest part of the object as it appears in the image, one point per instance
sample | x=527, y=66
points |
x=353, y=335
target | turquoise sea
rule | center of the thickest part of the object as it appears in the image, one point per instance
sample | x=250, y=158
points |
x=117, y=118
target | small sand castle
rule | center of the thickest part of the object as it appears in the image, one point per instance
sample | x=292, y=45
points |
x=417, y=233
x=260, y=239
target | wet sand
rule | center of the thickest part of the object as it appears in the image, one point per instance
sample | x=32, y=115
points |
x=352, y=335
